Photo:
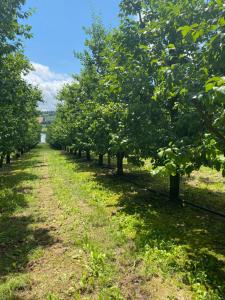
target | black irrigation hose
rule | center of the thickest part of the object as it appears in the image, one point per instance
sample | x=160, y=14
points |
x=204, y=208
x=148, y=189
x=183, y=201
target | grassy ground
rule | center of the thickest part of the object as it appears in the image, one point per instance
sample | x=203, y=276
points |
x=70, y=230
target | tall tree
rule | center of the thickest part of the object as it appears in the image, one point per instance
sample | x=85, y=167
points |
x=180, y=128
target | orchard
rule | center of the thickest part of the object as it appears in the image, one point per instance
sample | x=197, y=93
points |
x=125, y=198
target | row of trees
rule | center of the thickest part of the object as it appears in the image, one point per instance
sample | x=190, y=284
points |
x=152, y=88
x=19, y=129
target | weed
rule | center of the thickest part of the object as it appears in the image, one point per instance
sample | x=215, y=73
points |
x=52, y=296
x=9, y=287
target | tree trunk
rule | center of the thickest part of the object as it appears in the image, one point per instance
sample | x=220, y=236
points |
x=88, y=155
x=109, y=159
x=175, y=187
x=1, y=161
x=18, y=154
x=8, y=159
x=79, y=153
x=100, y=159
x=120, y=157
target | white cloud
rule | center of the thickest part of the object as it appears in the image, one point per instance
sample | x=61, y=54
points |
x=49, y=82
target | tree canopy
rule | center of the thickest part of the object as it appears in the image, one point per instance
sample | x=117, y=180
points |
x=19, y=128
x=153, y=88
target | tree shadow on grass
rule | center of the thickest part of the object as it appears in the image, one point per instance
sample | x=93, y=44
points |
x=18, y=240
x=131, y=172
x=26, y=161
x=163, y=223
x=210, y=195
x=18, y=235
x=12, y=195
x=12, y=180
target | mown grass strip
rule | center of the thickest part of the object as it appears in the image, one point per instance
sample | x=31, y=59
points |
x=149, y=239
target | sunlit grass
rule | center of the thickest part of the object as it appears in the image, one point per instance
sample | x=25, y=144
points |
x=9, y=286
x=153, y=237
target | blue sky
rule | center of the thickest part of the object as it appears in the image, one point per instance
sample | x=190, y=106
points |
x=57, y=27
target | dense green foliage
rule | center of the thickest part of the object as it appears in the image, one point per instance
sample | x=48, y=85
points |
x=154, y=88
x=11, y=30
x=19, y=129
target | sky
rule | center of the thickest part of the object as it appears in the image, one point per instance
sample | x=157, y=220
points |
x=57, y=28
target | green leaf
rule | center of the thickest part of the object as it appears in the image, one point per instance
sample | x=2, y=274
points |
x=197, y=34
x=222, y=21
x=161, y=154
x=171, y=46
x=185, y=30
x=209, y=86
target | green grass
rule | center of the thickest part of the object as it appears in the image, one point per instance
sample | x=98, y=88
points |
x=154, y=238
x=44, y=129
x=127, y=242
x=17, y=184
x=8, y=288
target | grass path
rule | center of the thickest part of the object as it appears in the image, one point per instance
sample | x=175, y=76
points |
x=69, y=230
x=52, y=272
x=39, y=261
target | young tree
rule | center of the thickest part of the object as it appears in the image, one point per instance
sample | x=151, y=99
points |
x=18, y=100
x=18, y=106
